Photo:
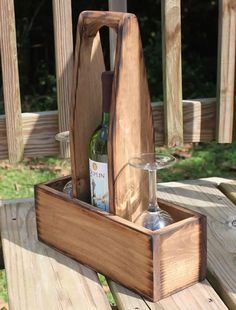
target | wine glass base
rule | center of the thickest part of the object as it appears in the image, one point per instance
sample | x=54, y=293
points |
x=154, y=220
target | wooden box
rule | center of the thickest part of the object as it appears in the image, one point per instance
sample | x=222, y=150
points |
x=153, y=264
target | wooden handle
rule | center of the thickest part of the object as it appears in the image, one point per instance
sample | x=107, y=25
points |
x=94, y=20
x=130, y=111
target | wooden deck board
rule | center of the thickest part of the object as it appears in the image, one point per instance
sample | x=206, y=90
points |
x=200, y=195
x=205, y=197
x=39, y=277
x=200, y=296
x=229, y=189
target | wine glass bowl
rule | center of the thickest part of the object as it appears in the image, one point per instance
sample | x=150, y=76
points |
x=64, y=136
x=67, y=189
x=152, y=161
x=154, y=220
x=154, y=217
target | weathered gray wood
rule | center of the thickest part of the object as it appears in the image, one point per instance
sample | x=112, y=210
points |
x=200, y=296
x=38, y=276
x=203, y=196
x=39, y=129
x=64, y=64
x=226, y=70
x=10, y=77
x=118, y=6
x=172, y=75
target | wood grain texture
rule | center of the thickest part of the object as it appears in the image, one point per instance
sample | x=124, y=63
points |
x=129, y=86
x=204, y=197
x=117, y=6
x=226, y=70
x=97, y=239
x=129, y=254
x=10, y=79
x=189, y=241
x=89, y=65
x=172, y=75
x=63, y=35
x=39, y=129
x=200, y=296
x=229, y=189
x=39, y=277
x=199, y=118
x=130, y=120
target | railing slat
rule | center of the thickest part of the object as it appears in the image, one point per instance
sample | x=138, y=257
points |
x=39, y=129
x=10, y=77
x=226, y=70
x=118, y=6
x=64, y=63
x=172, y=76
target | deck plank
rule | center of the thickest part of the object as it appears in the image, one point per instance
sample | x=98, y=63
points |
x=203, y=196
x=229, y=189
x=200, y=296
x=39, y=277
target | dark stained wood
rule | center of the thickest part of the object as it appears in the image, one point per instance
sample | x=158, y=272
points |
x=130, y=115
x=86, y=109
x=130, y=120
x=96, y=239
x=183, y=251
x=153, y=264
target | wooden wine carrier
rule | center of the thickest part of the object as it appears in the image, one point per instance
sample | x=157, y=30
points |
x=154, y=264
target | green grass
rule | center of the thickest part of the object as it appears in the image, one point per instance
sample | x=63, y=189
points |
x=3, y=286
x=16, y=181
x=210, y=160
x=104, y=283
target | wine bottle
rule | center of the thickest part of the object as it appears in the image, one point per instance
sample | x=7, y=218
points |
x=98, y=160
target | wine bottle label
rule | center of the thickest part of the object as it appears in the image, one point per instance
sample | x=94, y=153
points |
x=99, y=184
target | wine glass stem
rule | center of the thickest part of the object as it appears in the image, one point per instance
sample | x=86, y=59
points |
x=153, y=205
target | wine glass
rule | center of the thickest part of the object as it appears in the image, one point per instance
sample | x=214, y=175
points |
x=65, y=137
x=154, y=217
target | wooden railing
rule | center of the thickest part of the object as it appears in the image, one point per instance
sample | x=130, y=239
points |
x=176, y=121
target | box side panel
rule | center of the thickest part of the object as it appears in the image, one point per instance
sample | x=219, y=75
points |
x=118, y=251
x=182, y=257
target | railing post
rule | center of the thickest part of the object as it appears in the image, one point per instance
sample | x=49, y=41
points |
x=64, y=63
x=172, y=75
x=10, y=77
x=226, y=70
x=118, y=6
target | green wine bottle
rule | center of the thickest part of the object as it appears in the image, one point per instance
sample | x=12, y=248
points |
x=98, y=161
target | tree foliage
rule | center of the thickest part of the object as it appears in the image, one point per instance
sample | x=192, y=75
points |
x=35, y=39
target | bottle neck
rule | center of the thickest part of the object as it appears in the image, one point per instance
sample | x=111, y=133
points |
x=105, y=118
x=107, y=79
